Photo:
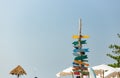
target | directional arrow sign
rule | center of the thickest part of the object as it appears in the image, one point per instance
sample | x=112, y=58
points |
x=82, y=42
x=81, y=57
x=81, y=50
x=76, y=36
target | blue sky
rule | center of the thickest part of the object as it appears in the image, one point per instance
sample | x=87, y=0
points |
x=37, y=34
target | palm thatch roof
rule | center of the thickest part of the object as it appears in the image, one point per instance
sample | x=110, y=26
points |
x=18, y=71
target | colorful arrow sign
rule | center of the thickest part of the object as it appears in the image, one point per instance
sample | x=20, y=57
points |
x=81, y=50
x=77, y=36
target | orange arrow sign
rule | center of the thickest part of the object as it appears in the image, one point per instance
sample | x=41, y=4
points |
x=80, y=62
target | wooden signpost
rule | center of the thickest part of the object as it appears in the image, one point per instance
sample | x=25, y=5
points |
x=80, y=65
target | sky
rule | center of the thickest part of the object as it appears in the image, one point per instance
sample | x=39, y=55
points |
x=37, y=34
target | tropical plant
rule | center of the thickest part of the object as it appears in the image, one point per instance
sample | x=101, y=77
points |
x=116, y=54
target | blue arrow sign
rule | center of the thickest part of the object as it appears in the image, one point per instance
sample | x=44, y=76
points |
x=81, y=50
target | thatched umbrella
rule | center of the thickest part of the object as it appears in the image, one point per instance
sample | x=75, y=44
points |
x=113, y=73
x=102, y=69
x=18, y=71
x=65, y=72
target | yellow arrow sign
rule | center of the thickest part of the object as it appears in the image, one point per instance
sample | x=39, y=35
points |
x=76, y=36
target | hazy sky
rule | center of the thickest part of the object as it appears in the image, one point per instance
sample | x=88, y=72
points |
x=37, y=34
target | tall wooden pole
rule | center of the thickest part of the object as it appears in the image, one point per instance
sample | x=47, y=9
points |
x=79, y=40
x=81, y=68
x=80, y=34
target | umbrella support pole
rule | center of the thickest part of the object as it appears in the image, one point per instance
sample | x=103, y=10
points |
x=18, y=76
x=72, y=75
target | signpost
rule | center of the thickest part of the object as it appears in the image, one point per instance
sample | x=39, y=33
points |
x=80, y=67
